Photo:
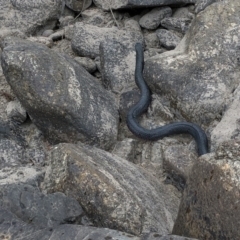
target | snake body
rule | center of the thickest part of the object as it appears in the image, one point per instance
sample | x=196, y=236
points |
x=170, y=129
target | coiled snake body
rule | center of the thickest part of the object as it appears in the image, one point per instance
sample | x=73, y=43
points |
x=173, y=128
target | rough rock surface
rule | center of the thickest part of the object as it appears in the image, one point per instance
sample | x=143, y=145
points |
x=43, y=211
x=87, y=38
x=152, y=19
x=229, y=126
x=114, y=192
x=117, y=65
x=77, y=5
x=209, y=208
x=60, y=95
x=203, y=70
x=168, y=39
x=139, y=190
x=118, y=4
x=29, y=16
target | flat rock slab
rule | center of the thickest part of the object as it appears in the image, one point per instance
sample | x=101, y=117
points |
x=87, y=38
x=118, y=4
x=28, y=16
x=114, y=192
x=62, y=99
x=210, y=206
x=203, y=71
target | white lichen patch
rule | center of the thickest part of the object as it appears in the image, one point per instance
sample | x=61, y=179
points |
x=74, y=89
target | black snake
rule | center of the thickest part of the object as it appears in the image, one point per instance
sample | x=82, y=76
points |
x=173, y=128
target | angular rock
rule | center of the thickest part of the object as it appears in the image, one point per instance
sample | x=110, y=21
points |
x=16, y=112
x=12, y=227
x=117, y=64
x=152, y=19
x=28, y=16
x=168, y=39
x=114, y=192
x=78, y=5
x=210, y=207
x=75, y=232
x=178, y=161
x=152, y=40
x=42, y=211
x=96, y=16
x=87, y=63
x=118, y=4
x=11, y=153
x=229, y=126
x=63, y=100
x=176, y=24
x=87, y=38
x=202, y=72
x=202, y=4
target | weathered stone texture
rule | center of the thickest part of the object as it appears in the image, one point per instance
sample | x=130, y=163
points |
x=63, y=100
x=209, y=207
x=114, y=192
x=200, y=75
x=29, y=16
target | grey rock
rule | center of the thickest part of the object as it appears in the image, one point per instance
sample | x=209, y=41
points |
x=202, y=4
x=42, y=40
x=41, y=210
x=87, y=63
x=12, y=227
x=177, y=24
x=126, y=149
x=66, y=21
x=178, y=161
x=75, y=232
x=63, y=46
x=209, y=207
x=28, y=16
x=152, y=19
x=78, y=5
x=183, y=12
x=152, y=40
x=79, y=110
x=47, y=33
x=200, y=75
x=157, y=236
x=87, y=38
x=132, y=25
x=117, y=64
x=11, y=153
x=96, y=16
x=167, y=39
x=28, y=175
x=118, y=4
x=114, y=192
x=16, y=112
x=229, y=126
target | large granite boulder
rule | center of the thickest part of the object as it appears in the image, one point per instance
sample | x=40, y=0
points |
x=114, y=192
x=200, y=75
x=210, y=205
x=63, y=100
x=29, y=16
